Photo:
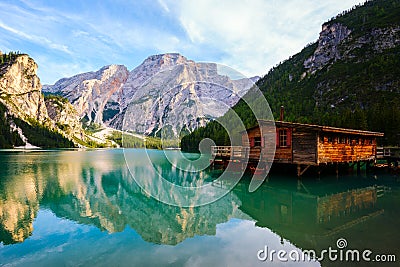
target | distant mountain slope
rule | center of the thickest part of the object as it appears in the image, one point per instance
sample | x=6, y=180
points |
x=166, y=90
x=349, y=78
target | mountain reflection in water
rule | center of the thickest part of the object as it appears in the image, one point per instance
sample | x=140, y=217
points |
x=95, y=189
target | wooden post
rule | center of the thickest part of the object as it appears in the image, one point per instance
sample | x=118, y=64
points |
x=337, y=170
x=301, y=172
x=298, y=171
x=368, y=166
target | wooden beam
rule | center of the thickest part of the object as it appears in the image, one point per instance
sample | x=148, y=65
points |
x=301, y=172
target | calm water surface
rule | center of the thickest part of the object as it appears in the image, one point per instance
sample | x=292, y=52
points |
x=83, y=208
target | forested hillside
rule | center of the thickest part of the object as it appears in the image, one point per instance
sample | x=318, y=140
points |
x=349, y=78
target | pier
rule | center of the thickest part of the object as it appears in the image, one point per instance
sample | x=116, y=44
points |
x=389, y=157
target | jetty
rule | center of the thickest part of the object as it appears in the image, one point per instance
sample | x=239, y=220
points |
x=389, y=158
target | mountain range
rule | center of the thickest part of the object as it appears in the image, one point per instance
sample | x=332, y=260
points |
x=166, y=91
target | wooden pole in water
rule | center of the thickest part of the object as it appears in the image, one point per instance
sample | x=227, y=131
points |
x=337, y=170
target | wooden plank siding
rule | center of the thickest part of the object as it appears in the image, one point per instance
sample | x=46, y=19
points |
x=255, y=149
x=315, y=144
x=357, y=149
x=304, y=147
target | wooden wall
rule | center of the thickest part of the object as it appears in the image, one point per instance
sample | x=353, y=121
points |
x=255, y=151
x=304, y=146
x=311, y=146
x=350, y=151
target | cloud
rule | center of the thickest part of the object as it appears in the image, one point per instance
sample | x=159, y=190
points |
x=36, y=39
x=163, y=5
x=254, y=37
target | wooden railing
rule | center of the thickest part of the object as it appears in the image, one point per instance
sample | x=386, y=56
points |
x=230, y=151
x=387, y=152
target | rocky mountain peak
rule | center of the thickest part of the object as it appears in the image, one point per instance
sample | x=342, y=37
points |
x=109, y=71
x=168, y=59
x=327, y=51
x=164, y=89
x=90, y=91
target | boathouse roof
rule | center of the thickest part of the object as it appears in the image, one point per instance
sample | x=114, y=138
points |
x=320, y=128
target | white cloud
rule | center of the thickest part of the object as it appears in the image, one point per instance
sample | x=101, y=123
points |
x=36, y=39
x=254, y=36
x=163, y=5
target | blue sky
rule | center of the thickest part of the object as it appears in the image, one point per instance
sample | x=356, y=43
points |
x=69, y=37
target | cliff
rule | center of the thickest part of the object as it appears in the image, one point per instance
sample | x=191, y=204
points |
x=93, y=93
x=65, y=117
x=25, y=119
x=20, y=89
x=166, y=90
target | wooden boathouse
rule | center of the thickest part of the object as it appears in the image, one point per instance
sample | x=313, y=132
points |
x=302, y=145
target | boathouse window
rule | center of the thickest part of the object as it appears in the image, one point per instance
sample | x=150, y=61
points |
x=284, y=139
x=257, y=141
x=342, y=140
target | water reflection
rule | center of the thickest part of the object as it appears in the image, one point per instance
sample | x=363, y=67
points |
x=315, y=214
x=94, y=189
x=97, y=189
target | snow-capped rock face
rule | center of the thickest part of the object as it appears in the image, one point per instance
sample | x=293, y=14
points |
x=166, y=90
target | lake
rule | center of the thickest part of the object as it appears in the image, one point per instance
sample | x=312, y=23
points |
x=96, y=208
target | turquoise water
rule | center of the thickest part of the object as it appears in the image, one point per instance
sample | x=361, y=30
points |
x=84, y=208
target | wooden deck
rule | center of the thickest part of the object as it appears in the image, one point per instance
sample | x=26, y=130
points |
x=388, y=153
x=230, y=151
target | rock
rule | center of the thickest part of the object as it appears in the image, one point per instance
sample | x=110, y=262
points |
x=21, y=94
x=337, y=43
x=90, y=92
x=65, y=116
x=166, y=89
x=327, y=51
x=20, y=90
